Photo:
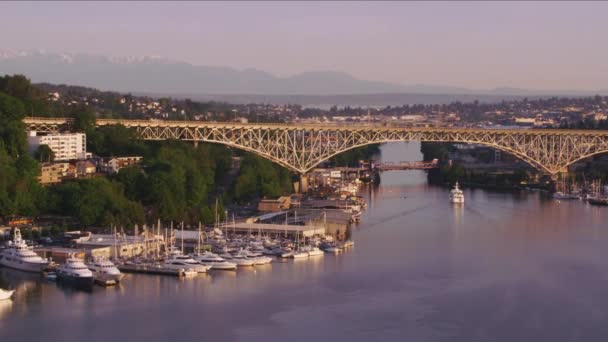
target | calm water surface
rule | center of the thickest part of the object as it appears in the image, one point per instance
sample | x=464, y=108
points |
x=505, y=267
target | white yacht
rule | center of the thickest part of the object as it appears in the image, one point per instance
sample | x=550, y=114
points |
x=75, y=272
x=105, y=272
x=258, y=258
x=186, y=263
x=456, y=195
x=19, y=255
x=215, y=261
x=238, y=259
x=4, y=294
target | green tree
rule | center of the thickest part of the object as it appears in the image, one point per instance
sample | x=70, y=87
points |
x=84, y=119
x=44, y=154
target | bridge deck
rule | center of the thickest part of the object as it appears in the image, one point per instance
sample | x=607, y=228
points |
x=321, y=126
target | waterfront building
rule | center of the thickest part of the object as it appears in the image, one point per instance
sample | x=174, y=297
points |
x=65, y=146
x=277, y=204
x=124, y=246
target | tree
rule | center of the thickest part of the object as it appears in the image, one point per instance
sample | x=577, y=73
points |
x=84, y=119
x=44, y=154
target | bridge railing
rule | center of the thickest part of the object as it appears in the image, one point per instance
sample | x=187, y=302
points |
x=312, y=126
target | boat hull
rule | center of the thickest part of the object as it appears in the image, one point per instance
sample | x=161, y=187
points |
x=108, y=279
x=23, y=265
x=224, y=266
x=78, y=282
x=5, y=295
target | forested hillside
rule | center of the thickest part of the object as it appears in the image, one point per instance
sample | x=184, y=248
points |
x=173, y=183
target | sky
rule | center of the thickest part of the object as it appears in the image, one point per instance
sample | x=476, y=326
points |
x=479, y=45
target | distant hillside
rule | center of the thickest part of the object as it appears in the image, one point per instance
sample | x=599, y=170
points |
x=151, y=74
x=155, y=75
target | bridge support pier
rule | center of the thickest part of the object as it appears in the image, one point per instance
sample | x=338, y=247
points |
x=300, y=183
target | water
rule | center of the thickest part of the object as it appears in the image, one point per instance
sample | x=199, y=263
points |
x=505, y=267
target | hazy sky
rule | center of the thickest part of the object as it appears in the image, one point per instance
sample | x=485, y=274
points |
x=544, y=45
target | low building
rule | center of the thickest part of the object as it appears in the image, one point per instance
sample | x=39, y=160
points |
x=125, y=246
x=61, y=254
x=115, y=164
x=51, y=173
x=278, y=204
x=85, y=167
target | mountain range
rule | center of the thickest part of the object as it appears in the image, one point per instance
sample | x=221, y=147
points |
x=156, y=75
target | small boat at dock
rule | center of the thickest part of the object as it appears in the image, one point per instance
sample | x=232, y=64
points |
x=315, y=251
x=74, y=272
x=105, y=272
x=603, y=201
x=215, y=261
x=20, y=256
x=5, y=294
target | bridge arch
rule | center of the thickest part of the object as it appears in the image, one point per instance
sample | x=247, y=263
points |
x=519, y=155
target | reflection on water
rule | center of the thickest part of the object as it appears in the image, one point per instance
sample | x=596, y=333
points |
x=502, y=267
x=5, y=308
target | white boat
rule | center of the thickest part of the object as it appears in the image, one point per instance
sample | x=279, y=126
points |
x=262, y=260
x=4, y=294
x=239, y=260
x=215, y=261
x=300, y=255
x=19, y=255
x=315, y=251
x=287, y=254
x=332, y=249
x=75, y=272
x=177, y=262
x=105, y=272
x=257, y=257
x=456, y=195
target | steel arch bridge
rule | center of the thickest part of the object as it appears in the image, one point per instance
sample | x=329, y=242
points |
x=302, y=147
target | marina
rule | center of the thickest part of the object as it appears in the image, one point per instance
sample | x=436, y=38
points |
x=405, y=254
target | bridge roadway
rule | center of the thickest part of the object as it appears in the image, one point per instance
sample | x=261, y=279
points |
x=300, y=147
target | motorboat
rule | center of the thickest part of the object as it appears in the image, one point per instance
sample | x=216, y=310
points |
x=20, y=256
x=561, y=196
x=105, y=272
x=215, y=261
x=178, y=261
x=257, y=257
x=300, y=255
x=5, y=294
x=287, y=254
x=330, y=248
x=315, y=251
x=75, y=272
x=456, y=195
x=239, y=259
x=262, y=260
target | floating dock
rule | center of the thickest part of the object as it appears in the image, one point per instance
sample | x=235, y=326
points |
x=151, y=269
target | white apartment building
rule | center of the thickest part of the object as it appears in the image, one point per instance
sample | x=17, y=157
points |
x=66, y=146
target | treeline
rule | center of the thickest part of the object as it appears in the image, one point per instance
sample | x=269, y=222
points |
x=450, y=173
x=20, y=193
